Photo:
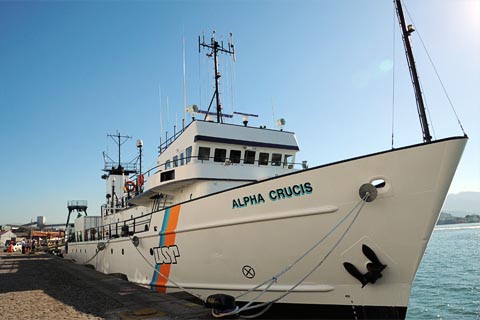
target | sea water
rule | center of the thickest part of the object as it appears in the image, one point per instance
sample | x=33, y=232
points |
x=447, y=284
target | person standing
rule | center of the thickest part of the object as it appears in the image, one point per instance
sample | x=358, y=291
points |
x=23, y=246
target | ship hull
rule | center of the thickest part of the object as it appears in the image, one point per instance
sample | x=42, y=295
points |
x=231, y=241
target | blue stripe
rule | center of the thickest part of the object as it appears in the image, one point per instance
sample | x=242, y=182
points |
x=166, y=217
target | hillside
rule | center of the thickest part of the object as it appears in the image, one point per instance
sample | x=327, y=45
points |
x=463, y=203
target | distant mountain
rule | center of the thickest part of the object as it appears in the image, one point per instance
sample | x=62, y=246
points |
x=463, y=203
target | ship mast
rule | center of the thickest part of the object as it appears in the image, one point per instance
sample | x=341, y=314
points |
x=406, y=31
x=216, y=47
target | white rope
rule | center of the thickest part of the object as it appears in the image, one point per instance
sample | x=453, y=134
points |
x=98, y=251
x=275, y=278
x=169, y=279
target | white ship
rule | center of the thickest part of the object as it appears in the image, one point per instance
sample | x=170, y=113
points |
x=227, y=214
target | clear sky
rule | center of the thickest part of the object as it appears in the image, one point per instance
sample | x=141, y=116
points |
x=73, y=71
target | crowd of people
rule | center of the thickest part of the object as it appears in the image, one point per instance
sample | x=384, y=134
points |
x=27, y=247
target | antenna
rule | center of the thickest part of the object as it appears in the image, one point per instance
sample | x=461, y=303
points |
x=168, y=116
x=184, y=81
x=161, y=121
x=216, y=47
x=124, y=168
x=273, y=112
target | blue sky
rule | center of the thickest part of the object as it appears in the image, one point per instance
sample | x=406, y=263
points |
x=72, y=72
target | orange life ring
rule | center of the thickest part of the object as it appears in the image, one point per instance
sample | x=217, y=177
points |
x=140, y=180
x=130, y=185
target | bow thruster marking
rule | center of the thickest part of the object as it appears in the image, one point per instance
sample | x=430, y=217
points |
x=248, y=272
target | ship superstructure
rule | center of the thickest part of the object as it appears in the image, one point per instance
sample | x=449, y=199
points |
x=229, y=216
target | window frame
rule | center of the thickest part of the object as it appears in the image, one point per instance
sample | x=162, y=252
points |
x=248, y=159
x=261, y=158
x=235, y=159
x=202, y=153
x=219, y=155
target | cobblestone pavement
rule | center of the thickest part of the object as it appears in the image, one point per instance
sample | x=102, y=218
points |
x=42, y=286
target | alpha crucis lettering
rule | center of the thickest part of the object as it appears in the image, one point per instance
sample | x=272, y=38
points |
x=296, y=190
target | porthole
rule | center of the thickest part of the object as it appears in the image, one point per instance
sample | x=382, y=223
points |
x=151, y=251
x=111, y=250
x=378, y=183
x=123, y=251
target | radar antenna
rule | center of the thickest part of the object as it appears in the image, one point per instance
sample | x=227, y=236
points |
x=216, y=47
x=118, y=168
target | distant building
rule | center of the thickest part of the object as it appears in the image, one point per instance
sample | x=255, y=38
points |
x=44, y=237
x=41, y=221
x=7, y=235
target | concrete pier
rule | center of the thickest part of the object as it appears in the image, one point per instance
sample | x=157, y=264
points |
x=42, y=286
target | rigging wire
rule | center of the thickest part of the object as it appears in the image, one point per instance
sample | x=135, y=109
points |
x=428, y=112
x=393, y=74
x=436, y=72
x=231, y=65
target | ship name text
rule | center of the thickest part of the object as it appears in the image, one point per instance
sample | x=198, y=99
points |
x=273, y=195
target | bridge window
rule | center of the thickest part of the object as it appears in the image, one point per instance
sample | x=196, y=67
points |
x=188, y=153
x=182, y=161
x=288, y=160
x=203, y=153
x=235, y=156
x=263, y=158
x=220, y=155
x=167, y=164
x=175, y=161
x=249, y=157
x=276, y=159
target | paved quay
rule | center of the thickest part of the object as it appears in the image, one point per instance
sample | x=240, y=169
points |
x=43, y=286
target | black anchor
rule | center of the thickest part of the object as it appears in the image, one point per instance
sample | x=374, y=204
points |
x=374, y=267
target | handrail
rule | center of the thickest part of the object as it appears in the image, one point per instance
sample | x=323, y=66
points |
x=164, y=145
x=242, y=162
x=114, y=230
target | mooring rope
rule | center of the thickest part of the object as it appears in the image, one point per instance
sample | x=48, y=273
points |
x=98, y=251
x=268, y=283
x=275, y=278
x=168, y=279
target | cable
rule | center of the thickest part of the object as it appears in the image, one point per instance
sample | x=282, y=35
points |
x=393, y=75
x=167, y=278
x=275, y=278
x=436, y=73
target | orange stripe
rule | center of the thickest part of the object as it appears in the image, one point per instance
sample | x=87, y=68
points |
x=172, y=225
x=165, y=270
x=169, y=241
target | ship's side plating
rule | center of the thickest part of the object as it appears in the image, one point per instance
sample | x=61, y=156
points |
x=232, y=240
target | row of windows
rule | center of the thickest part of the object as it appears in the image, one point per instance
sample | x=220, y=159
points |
x=249, y=156
x=235, y=156
x=180, y=160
